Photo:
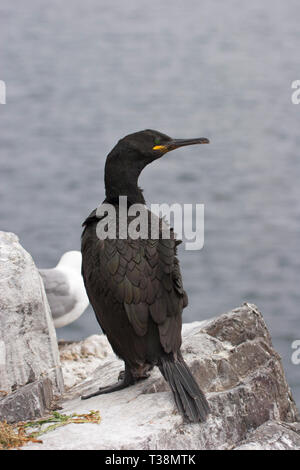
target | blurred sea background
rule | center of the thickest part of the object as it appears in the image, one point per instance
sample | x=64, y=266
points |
x=80, y=75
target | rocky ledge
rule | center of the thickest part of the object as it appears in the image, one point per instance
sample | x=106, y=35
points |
x=232, y=358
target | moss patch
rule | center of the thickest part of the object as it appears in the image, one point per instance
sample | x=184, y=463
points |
x=17, y=435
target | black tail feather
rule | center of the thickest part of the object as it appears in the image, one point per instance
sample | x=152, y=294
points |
x=189, y=399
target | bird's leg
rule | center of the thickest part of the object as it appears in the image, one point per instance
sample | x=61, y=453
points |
x=143, y=376
x=125, y=379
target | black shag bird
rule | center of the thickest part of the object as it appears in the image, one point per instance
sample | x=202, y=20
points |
x=135, y=285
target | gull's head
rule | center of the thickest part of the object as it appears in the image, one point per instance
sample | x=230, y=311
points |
x=71, y=260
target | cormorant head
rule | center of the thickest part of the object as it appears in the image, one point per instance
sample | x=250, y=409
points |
x=148, y=145
x=132, y=153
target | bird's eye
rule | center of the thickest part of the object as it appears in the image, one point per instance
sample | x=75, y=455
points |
x=158, y=145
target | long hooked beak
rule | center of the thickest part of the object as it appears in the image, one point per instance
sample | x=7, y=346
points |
x=176, y=143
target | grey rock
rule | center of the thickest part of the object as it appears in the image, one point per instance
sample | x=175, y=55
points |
x=233, y=360
x=80, y=359
x=28, y=344
x=273, y=436
x=28, y=402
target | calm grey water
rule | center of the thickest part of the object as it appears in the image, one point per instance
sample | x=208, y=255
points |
x=80, y=75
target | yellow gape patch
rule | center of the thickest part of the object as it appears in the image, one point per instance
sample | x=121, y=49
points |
x=159, y=147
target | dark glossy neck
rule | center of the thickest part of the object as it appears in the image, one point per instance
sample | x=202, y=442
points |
x=123, y=184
